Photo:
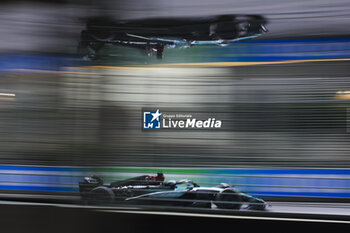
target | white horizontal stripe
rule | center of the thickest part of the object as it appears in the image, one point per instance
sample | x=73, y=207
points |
x=226, y=216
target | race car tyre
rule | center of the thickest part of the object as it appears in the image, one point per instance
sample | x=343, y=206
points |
x=101, y=195
x=228, y=199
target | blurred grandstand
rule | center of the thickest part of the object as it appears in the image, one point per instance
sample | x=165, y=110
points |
x=273, y=115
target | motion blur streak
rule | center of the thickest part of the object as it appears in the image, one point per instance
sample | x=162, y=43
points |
x=283, y=99
x=274, y=115
x=261, y=182
x=35, y=178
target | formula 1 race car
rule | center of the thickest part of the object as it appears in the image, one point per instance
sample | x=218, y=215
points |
x=155, y=34
x=153, y=190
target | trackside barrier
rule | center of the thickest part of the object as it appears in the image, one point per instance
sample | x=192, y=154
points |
x=260, y=182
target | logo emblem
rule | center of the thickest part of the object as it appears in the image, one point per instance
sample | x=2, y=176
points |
x=151, y=120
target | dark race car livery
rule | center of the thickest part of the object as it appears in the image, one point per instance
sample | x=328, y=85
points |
x=153, y=190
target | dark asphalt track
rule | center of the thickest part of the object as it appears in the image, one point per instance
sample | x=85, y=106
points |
x=31, y=217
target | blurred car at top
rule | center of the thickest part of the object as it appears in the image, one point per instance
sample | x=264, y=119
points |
x=154, y=34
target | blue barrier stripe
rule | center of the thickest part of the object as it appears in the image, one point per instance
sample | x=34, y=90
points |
x=39, y=179
x=269, y=58
x=39, y=188
x=279, y=50
x=276, y=172
x=271, y=50
x=56, y=179
x=35, y=61
x=304, y=40
x=258, y=49
x=300, y=194
x=204, y=175
x=35, y=168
